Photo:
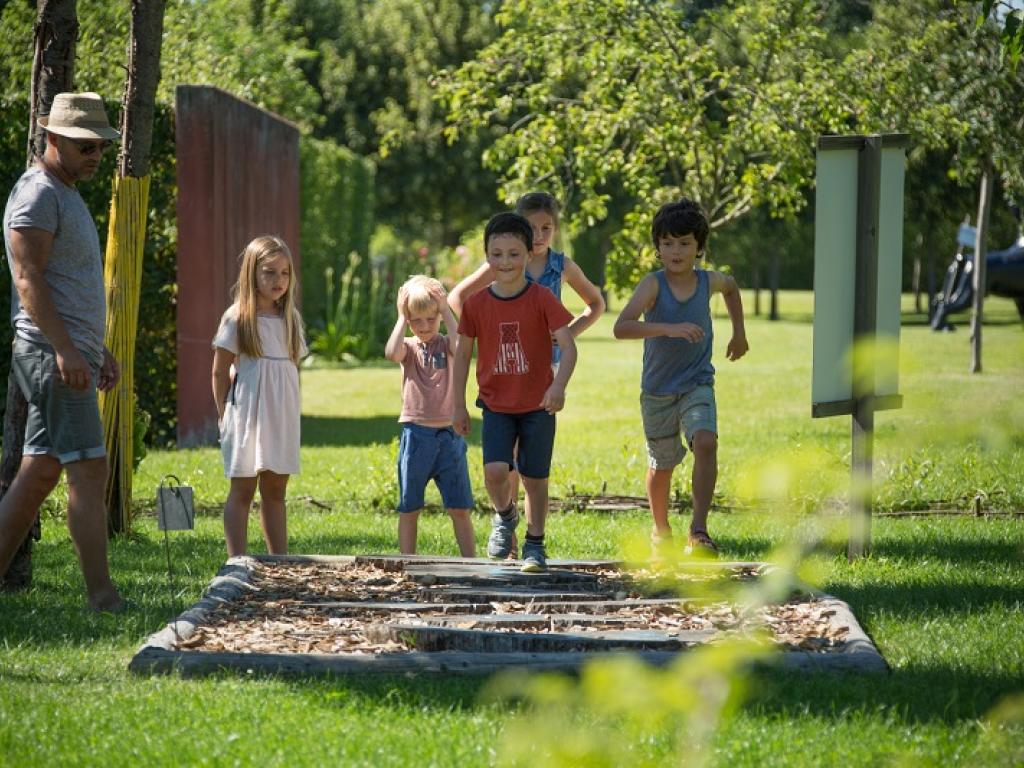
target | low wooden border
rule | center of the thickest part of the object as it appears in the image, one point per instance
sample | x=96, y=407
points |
x=159, y=655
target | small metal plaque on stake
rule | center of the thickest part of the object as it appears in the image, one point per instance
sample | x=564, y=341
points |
x=175, y=512
x=175, y=509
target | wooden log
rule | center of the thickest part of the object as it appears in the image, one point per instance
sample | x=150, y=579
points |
x=426, y=638
x=460, y=593
x=430, y=575
x=191, y=664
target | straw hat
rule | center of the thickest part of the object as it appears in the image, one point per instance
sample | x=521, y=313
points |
x=79, y=116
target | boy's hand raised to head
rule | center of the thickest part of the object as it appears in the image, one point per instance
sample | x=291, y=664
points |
x=460, y=421
x=403, y=295
x=688, y=331
x=737, y=347
x=554, y=399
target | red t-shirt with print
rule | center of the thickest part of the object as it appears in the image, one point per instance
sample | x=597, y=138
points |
x=513, y=365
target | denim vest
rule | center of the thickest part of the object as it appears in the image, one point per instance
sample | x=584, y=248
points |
x=551, y=278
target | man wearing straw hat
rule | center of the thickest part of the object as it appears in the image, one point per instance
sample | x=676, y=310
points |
x=58, y=311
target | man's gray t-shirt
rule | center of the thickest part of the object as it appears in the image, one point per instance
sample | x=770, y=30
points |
x=74, y=271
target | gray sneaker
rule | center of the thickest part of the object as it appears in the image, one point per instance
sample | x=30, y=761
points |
x=502, y=540
x=535, y=559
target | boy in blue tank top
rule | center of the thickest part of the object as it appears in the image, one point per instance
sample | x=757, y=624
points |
x=677, y=385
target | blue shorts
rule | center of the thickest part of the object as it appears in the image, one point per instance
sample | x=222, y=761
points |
x=524, y=441
x=62, y=422
x=432, y=453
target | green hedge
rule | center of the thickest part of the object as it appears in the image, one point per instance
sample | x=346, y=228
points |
x=337, y=198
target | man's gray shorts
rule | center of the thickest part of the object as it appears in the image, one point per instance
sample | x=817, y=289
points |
x=62, y=422
x=667, y=417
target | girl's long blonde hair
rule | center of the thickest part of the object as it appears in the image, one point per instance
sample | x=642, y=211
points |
x=262, y=249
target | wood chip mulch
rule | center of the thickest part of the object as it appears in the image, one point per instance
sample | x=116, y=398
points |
x=323, y=608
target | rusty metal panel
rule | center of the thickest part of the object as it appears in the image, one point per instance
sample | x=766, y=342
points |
x=238, y=177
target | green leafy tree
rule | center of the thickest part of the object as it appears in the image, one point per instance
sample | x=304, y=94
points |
x=374, y=69
x=652, y=99
x=253, y=50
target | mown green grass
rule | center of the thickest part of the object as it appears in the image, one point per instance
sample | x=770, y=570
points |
x=941, y=596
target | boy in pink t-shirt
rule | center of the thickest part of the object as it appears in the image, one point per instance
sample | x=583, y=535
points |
x=429, y=448
x=512, y=323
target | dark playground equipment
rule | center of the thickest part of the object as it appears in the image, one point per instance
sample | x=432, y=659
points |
x=1004, y=276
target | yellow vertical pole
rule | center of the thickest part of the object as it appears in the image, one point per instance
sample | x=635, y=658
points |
x=126, y=239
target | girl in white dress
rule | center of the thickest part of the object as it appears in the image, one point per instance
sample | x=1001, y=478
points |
x=257, y=351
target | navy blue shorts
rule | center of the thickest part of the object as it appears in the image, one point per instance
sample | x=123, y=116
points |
x=533, y=432
x=432, y=453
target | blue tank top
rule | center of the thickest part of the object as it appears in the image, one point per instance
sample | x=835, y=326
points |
x=551, y=278
x=676, y=366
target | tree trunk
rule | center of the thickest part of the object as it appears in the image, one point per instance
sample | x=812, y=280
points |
x=53, y=69
x=53, y=64
x=757, y=288
x=125, y=244
x=978, y=278
x=140, y=88
x=773, y=286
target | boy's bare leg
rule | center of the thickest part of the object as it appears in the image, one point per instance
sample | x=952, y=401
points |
x=536, y=504
x=513, y=490
x=463, y=525
x=37, y=476
x=705, y=475
x=659, y=486
x=496, y=480
x=236, y=514
x=87, y=522
x=408, y=523
x=273, y=516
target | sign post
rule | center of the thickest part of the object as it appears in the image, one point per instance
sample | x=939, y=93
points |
x=858, y=254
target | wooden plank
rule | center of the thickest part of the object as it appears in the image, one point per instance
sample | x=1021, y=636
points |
x=397, y=562
x=192, y=664
x=432, y=639
x=526, y=620
x=430, y=575
x=460, y=593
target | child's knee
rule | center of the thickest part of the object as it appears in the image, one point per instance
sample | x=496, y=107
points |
x=704, y=444
x=535, y=485
x=458, y=515
x=496, y=473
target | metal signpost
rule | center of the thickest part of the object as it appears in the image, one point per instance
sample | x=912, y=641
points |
x=858, y=254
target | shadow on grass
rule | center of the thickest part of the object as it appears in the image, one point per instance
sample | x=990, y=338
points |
x=371, y=430
x=918, y=694
x=975, y=552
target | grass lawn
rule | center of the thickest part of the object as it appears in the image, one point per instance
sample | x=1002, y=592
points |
x=942, y=596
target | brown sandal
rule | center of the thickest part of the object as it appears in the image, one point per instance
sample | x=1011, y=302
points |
x=701, y=544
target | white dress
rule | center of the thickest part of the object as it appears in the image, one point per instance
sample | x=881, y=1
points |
x=260, y=428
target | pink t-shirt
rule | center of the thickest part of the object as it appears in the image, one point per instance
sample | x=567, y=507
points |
x=427, y=382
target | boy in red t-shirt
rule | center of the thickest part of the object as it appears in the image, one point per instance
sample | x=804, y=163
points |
x=514, y=321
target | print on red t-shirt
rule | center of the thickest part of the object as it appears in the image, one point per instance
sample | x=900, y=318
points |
x=511, y=357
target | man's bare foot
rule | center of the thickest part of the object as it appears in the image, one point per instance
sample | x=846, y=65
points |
x=108, y=602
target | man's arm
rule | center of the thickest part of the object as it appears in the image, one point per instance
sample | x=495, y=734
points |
x=460, y=375
x=726, y=285
x=30, y=253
